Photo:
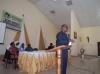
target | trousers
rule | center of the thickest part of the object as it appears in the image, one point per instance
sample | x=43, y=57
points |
x=64, y=59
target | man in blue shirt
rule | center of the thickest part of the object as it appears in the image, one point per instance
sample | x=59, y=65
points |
x=63, y=38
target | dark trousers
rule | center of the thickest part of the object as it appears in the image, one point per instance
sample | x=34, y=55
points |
x=64, y=59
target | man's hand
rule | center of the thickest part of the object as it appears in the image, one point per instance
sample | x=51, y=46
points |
x=72, y=40
x=59, y=47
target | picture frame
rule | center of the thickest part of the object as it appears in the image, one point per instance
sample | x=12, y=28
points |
x=75, y=35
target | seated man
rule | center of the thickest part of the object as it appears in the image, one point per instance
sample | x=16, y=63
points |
x=22, y=47
x=29, y=48
x=51, y=46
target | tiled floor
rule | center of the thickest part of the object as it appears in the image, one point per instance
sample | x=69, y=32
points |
x=9, y=70
x=91, y=65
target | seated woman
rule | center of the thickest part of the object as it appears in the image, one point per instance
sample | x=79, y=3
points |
x=7, y=55
x=14, y=52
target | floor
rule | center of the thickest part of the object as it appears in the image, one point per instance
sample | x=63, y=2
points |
x=91, y=65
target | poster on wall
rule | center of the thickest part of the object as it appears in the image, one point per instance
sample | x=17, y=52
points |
x=75, y=35
x=88, y=39
x=11, y=21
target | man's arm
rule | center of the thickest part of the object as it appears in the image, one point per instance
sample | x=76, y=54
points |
x=57, y=48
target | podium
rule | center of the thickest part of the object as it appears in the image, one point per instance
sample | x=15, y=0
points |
x=59, y=51
x=59, y=61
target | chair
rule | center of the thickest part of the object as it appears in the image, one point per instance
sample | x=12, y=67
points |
x=9, y=60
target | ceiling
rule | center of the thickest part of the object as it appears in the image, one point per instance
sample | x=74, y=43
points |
x=87, y=11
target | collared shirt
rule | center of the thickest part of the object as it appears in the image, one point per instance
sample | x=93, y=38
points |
x=62, y=39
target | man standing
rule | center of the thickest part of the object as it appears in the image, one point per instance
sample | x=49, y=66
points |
x=63, y=38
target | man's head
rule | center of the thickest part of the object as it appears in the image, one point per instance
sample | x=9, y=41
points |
x=51, y=44
x=29, y=45
x=22, y=45
x=64, y=28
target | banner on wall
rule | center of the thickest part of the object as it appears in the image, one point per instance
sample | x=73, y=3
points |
x=22, y=38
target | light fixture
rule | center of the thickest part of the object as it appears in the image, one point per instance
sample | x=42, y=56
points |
x=54, y=0
x=52, y=11
x=68, y=2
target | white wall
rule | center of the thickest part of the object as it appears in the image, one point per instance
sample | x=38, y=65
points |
x=92, y=32
x=75, y=27
x=8, y=38
x=94, y=35
x=34, y=19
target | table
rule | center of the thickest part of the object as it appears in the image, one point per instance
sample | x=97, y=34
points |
x=36, y=61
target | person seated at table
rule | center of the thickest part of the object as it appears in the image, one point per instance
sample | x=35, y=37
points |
x=7, y=55
x=9, y=46
x=17, y=44
x=22, y=47
x=14, y=52
x=50, y=46
x=29, y=48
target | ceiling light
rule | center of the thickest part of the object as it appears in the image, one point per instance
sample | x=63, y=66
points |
x=68, y=2
x=52, y=11
x=54, y=0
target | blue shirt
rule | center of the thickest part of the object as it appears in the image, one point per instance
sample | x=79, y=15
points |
x=62, y=39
